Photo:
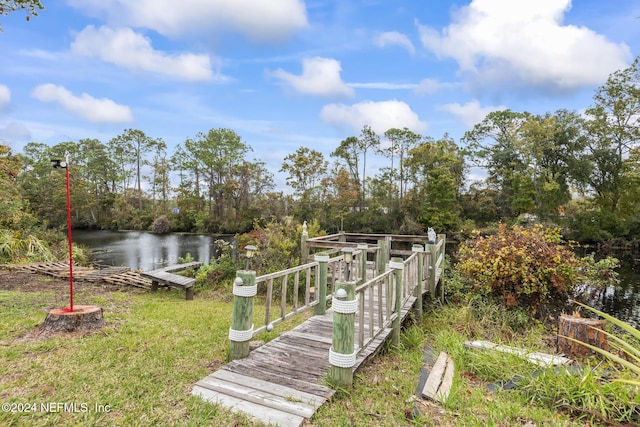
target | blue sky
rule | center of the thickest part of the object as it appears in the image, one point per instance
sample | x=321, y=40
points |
x=290, y=73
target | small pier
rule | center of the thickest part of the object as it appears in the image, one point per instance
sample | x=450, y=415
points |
x=370, y=292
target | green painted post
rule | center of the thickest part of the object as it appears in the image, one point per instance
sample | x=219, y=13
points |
x=241, y=330
x=321, y=288
x=363, y=262
x=382, y=256
x=418, y=290
x=342, y=358
x=397, y=266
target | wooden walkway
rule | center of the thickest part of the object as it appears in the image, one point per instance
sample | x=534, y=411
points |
x=283, y=381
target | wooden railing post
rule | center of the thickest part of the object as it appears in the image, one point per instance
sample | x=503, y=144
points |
x=431, y=275
x=241, y=330
x=418, y=290
x=363, y=262
x=397, y=266
x=304, y=248
x=442, y=237
x=382, y=256
x=342, y=356
x=321, y=288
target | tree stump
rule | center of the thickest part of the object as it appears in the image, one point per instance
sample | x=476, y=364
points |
x=582, y=329
x=82, y=318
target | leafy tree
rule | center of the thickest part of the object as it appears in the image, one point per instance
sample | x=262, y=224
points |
x=613, y=130
x=214, y=156
x=348, y=151
x=437, y=168
x=9, y=6
x=493, y=143
x=368, y=140
x=305, y=168
x=132, y=146
x=402, y=140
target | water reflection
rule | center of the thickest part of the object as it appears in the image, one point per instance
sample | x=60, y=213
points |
x=623, y=302
x=145, y=251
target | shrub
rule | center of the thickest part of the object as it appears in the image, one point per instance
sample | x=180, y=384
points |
x=220, y=271
x=161, y=225
x=527, y=267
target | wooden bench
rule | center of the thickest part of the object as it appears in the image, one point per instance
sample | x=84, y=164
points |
x=165, y=277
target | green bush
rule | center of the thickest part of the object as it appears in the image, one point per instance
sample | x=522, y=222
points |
x=220, y=272
x=526, y=267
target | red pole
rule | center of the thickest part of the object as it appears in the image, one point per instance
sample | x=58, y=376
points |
x=70, y=241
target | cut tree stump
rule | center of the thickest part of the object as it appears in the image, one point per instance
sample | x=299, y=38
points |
x=581, y=329
x=82, y=318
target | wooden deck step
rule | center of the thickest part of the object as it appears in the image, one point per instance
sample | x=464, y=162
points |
x=263, y=393
x=263, y=413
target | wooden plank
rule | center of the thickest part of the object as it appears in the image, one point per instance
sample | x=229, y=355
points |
x=435, y=377
x=180, y=267
x=290, y=404
x=310, y=337
x=447, y=381
x=540, y=359
x=277, y=389
x=285, y=380
x=263, y=413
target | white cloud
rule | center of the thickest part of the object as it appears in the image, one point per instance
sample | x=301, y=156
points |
x=259, y=20
x=15, y=131
x=392, y=38
x=470, y=113
x=381, y=116
x=128, y=49
x=86, y=106
x=5, y=97
x=383, y=86
x=431, y=86
x=525, y=42
x=320, y=76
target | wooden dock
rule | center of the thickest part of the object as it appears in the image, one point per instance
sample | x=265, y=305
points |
x=283, y=381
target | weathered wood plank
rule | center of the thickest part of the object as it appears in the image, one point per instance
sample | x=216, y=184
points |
x=541, y=359
x=432, y=385
x=277, y=389
x=263, y=413
x=280, y=379
x=289, y=404
x=447, y=381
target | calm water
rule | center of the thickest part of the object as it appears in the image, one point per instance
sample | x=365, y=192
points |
x=623, y=303
x=145, y=251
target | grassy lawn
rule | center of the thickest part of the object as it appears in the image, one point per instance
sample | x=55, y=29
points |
x=140, y=368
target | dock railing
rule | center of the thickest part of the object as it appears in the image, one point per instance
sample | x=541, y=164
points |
x=380, y=298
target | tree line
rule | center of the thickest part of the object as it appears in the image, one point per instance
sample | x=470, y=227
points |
x=577, y=170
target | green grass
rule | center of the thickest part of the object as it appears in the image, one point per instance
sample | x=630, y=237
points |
x=142, y=365
x=156, y=346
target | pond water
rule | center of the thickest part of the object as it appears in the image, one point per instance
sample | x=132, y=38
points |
x=145, y=251
x=623, y=302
